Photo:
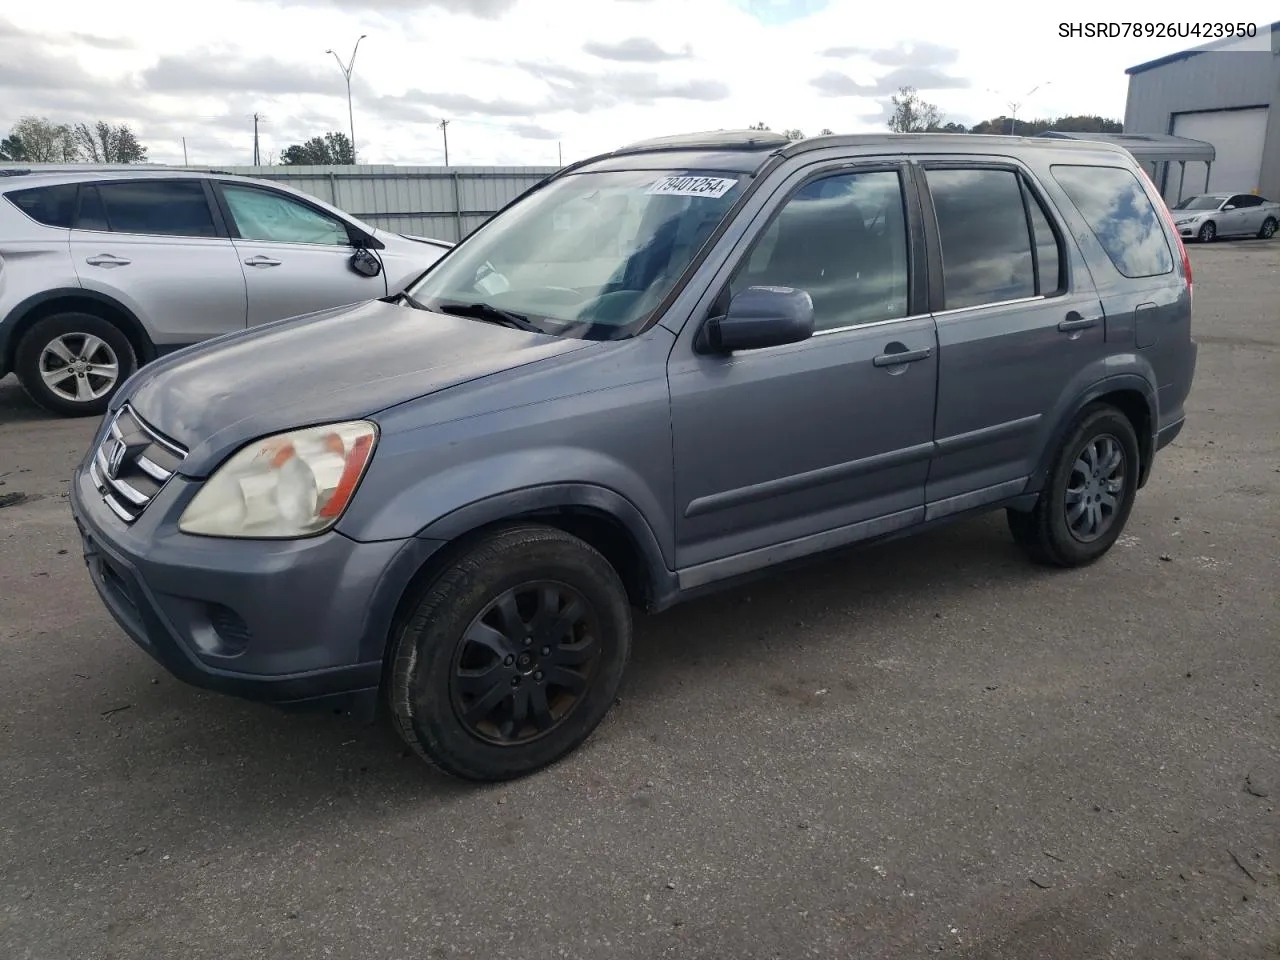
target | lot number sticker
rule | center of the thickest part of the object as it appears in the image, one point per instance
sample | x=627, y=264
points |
x=713, y=187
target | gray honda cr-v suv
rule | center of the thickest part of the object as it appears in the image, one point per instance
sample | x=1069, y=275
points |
x=660, y=371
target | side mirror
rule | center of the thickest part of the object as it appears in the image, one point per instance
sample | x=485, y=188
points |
x=365, y=263
x=759, y=317
x=1229, y=206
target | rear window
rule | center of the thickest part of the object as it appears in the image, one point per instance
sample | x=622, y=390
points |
x=1120, y=214
x=53, y=205
x=176, y=208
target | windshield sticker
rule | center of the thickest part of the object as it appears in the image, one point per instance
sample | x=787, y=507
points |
x=713, y=187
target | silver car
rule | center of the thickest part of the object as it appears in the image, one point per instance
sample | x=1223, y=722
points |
x=1208, y=216
x=101, y=271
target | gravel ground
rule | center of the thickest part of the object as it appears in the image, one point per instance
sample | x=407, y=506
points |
x=924, y=748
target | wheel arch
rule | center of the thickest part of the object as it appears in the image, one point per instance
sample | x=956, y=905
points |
x=35, y=308
x=1133, y=396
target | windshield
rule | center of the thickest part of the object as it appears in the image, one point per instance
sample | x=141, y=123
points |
x=589, y=255
x=1200, y=203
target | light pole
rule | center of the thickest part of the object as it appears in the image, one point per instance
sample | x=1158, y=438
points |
x=346, y=73
x=1015, y=105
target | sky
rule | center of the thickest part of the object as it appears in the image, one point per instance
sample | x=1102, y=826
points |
x=538, y=82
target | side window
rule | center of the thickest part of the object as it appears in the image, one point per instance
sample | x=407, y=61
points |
x=844, y=240
x=985, y=239
x=1120, y=214
x=172, y=208
x=266, y=215
x=1050, y=277
x=52, y=206
x=91, y=215
x=1247, y=200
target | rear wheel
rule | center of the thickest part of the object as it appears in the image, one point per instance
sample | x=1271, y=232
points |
x=1088, y=495
x=1208, y=233
x=73, y=363
x=1268, y=229
x=512, y=656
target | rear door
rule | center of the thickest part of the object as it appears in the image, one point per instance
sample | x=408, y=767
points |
x=1249, y=213
x=160, y=248
x=1018, y=318
x=296, y=257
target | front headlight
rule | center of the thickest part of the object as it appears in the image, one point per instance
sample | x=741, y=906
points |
x=290, y=485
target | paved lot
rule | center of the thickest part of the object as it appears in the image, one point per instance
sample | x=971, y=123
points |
x=926, y=747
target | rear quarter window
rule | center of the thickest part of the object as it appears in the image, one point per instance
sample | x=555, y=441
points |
x=1120, y=214
x=52, y=206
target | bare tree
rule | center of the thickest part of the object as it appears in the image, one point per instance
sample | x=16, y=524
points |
x=911, y=114
x=104, y=143
x=39, y=140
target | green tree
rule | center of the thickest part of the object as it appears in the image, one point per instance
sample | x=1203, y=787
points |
x=824, y=132
x=1086, y=123
x=912, y=114
x=793, y=134
x=107, y=143
x=39, y=140
x=330, y=149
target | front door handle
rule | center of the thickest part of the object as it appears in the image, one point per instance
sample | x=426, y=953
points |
x=107, y=260
x=894, y=358
x=1076, y=322
x=261, y=261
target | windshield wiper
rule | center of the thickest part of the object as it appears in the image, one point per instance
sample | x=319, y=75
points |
x=490, y=314
x=405, y=297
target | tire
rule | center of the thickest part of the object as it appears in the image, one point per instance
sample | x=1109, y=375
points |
x=57, y=343
x=457, y=702
x=1268, y=229
x=1208, y=233
x=1049, y=533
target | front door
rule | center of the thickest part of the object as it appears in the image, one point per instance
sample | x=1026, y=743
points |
x=798, y=446
x=296, y=257
x=1018, y=318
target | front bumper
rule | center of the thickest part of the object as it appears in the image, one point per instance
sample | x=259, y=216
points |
x=289, y=622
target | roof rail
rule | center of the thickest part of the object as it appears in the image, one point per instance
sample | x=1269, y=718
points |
x=709, y=140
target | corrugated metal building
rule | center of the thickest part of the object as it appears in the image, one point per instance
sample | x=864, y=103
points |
x=1226, y=93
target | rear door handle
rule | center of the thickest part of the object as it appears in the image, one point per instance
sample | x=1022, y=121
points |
x=107, y=260
x=1076, y=322
x=261, y=261
x=902, y=356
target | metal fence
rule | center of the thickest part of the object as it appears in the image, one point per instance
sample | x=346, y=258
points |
x=442, y=202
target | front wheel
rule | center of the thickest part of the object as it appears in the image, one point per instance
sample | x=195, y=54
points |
x=1208, y=233
x=73, y=363
x=1088, y=494
x=512, y=656
x=1268, y=229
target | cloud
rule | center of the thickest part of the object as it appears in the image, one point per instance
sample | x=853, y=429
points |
x=102, y=43
x=482, y=9
x=424, y=105
x=635, y=50
x=835, y=84
x=581, y=91
x=922, y=54
x=209, y=71
x=534, y=131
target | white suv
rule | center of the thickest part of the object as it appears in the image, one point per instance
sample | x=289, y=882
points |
x=101, y=271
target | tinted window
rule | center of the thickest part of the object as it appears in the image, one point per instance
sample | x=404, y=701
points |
x=844, y=240
x=51, y=205
x=164, y=208
x=986, y=244
x=1049, y=272
x=1119, y=213
x=266, y=215
x=91, y=215
x=1247, y=200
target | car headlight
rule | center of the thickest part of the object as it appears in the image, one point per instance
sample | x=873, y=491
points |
x=289, y=485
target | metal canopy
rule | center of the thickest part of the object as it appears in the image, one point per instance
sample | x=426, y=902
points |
x=1148, y=147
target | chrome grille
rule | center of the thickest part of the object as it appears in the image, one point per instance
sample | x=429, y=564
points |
x=131, y=464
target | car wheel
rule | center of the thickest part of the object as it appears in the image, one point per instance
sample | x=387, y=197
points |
x=512, y=656
x=73, y=363
x=1088, y=494
x=1208, y=233
x=1268, y=229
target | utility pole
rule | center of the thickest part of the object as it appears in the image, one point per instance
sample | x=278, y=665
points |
x=185, y=161
x=444, y=130
x=346, y=72
x=560, y=153
x=256, y=118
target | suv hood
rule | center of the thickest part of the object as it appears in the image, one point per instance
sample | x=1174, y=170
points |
x=340, y=364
